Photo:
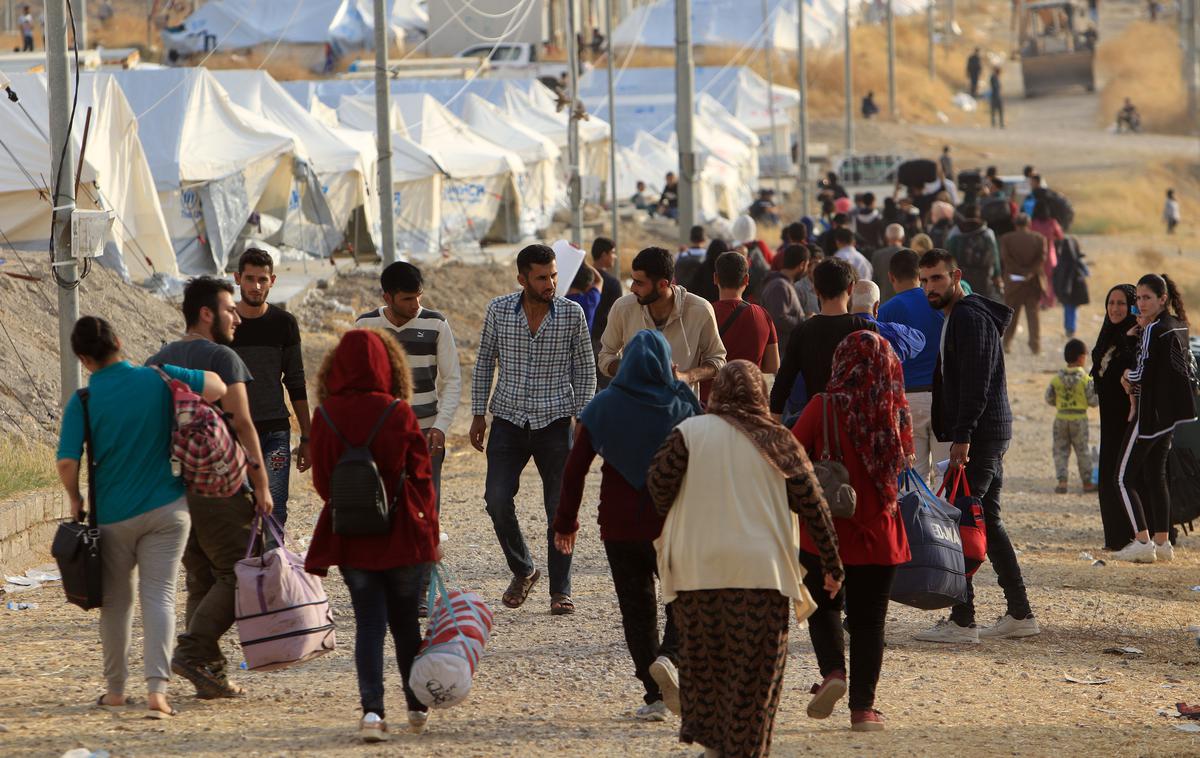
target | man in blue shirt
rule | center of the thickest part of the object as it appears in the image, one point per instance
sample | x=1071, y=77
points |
x=910, y=307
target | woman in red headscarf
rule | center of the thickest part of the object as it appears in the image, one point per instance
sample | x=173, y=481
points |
x=874, y=427
x=364, y=387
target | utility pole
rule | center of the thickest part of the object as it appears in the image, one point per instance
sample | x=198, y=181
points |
x=932, y=33
x=576, y=187
x=1191, y=60
x=62, y=165
x=891, y=42
x=849, y=77
x=612, y=135
x=383, y=135
x=802, y=127
x=769, y=32
x=684, y=113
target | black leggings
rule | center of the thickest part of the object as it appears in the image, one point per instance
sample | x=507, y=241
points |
x=1142, y=481
x=634, y=568
x=865, y=596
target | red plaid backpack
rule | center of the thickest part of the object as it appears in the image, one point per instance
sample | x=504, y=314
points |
x=204, y=448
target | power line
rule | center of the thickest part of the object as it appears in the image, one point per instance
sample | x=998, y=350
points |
x=28, y=373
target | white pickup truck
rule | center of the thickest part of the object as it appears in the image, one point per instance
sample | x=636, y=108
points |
x=516, y=60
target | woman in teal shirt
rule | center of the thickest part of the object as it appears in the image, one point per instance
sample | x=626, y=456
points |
x=140, y=503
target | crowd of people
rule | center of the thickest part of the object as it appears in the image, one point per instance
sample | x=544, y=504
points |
x=707, y=483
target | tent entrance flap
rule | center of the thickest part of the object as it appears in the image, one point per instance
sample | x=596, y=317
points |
x=225, y=207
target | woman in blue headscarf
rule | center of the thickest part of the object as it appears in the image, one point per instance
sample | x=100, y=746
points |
x=625, y=424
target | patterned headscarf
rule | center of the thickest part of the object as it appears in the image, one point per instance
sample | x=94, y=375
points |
x=739, y=396
x=867, y=388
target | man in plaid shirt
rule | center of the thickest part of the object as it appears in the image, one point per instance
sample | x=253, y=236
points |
x=547, y=374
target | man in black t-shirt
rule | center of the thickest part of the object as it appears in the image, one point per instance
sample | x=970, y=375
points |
x=808, y=362
x=604, y=258
x=268, y=340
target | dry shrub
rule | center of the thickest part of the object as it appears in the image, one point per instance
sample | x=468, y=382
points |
x=24, y=465
x=1150, y=258
x=122, y=30
x=1144, y=63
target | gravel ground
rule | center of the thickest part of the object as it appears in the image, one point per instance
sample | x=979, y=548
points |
x=564, y=685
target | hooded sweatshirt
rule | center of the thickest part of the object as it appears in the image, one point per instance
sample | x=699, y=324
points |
x=359, y=385
x=970, y=389
x=691, y=331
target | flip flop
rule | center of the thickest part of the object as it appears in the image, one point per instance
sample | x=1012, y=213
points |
x=110, y=708
x=154, y=713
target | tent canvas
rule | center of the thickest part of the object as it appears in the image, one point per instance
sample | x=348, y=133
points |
x=213, y=162
x=115, y=175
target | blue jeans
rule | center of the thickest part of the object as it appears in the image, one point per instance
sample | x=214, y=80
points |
x=985, y=475
x=383, y=600
x=509, y=449
x=1069, y=320
x=277, y=457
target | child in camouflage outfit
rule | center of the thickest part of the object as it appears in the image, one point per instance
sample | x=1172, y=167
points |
x=1071, y=392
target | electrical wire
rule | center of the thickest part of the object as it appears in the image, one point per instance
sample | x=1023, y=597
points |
x=279, y=39
x=58, y=179
x=29, y=271
x=28, y=373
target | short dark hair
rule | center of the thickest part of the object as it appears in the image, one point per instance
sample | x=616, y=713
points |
x=256, y=257
x=904, y=265
x=937, y=255
x=656, y=263
x=1073, y=350
x=93, y=337
x=583, y=278
x=202, y=292
x=868, y=198
x=732, y=269
x=832, y=277
x=795, y=232
x=696, y=234
x=843, y=236
x=602, y=246
x=401, y=277
x=970, y=210
x=534, y=255
x=841, y=219
x=794, y=255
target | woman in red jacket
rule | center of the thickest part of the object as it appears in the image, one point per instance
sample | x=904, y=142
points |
x=866, y=394
x=358, y=385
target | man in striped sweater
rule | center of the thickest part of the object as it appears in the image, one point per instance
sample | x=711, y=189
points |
x=428, y=341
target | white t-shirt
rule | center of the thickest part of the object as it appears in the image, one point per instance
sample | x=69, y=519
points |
x=26, y=22
x=862, y=267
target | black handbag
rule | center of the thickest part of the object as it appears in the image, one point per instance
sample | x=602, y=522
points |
x=76, y=546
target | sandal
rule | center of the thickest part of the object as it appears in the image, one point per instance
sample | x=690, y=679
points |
x=154, y=713
x=561, y=604
x=518, y=589
x=110, y=708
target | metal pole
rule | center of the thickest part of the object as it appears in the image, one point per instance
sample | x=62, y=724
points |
x=932, y=33
x=62, y=163
x=950, y=14
x=849, y=77
x=802, y=129
x=891, y=42
x=573, y=125
x=769, y=31
x=612, y=135
x=81, y=21
x=383, y=136
x=684, y=113
x=1192, y=61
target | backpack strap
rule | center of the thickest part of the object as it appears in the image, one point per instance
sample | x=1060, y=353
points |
x=374, y=430
x=728, y=322
x=824, y=426
x=90, y=448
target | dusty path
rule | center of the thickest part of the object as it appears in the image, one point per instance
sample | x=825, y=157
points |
x=564, y=686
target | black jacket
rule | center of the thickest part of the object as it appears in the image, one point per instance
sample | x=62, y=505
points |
x=1165, y=388
x=970, y=391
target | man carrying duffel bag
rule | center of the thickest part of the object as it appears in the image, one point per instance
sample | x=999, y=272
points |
x=970, y=409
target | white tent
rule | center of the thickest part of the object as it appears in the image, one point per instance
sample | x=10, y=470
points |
x=115, y=174
x=342, y=161
x=236, y=24
x=538, y=184
x=214, y=163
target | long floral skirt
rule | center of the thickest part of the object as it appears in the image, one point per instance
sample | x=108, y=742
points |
x=732, y=652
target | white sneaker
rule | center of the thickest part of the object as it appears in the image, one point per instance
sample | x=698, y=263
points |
x=1136, y=552
x=1007, y=627
x=656, y=711
x=666, y=676
x=1164, y=552
x=949, y=632
x=373, y=729
x=417, y=721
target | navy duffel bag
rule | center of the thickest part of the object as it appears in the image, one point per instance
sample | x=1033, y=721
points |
x=936, y=575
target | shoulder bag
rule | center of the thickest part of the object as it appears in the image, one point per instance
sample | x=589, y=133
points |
x=76, y=546
x=831, y=472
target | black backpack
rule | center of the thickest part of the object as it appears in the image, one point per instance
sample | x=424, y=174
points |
x=358, y=501
x=977, y=259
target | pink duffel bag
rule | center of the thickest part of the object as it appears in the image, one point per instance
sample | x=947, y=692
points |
x=283, y=614
x=460, y=625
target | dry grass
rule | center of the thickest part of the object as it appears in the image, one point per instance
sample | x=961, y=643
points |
x=24, y=465
x=1144, y=63
x=1120, y=202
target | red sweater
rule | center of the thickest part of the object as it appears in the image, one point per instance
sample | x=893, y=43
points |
x=871, y=536
x=359, y=384
x=625, y=514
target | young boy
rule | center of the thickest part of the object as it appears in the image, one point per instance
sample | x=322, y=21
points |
x=1071, y=392
x=586, y=289
x=1171, y=213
